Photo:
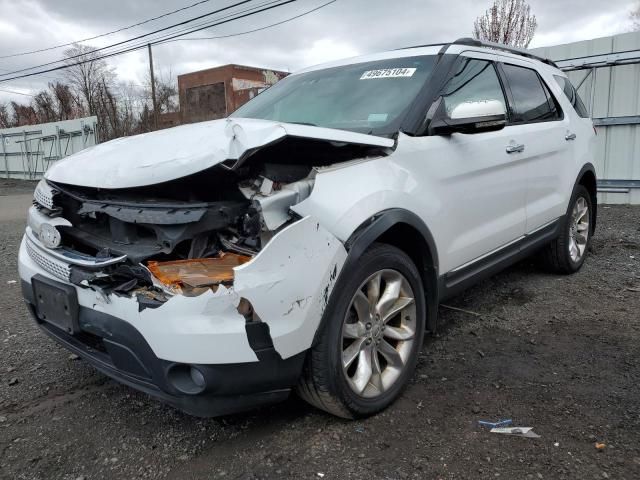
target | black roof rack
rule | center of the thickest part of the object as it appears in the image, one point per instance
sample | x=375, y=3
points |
x=472, y=42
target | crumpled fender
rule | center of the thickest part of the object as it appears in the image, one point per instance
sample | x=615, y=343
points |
x=290, y=281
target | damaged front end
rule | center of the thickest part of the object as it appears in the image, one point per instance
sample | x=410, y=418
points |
x=211, y=272
x=184, y=236
x=153, y=242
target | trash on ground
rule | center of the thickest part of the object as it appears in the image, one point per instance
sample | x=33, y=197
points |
x=600, y=446
x=11, y=282
x=499, y=423
x=517, y=431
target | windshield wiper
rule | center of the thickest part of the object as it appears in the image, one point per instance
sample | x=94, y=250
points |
x=305, y=123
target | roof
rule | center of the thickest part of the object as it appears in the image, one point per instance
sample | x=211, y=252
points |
x=456, y=47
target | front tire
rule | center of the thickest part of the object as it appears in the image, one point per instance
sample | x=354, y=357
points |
x=566, y=253
x=371, y=337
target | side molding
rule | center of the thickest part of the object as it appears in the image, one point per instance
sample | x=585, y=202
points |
x=458, y=280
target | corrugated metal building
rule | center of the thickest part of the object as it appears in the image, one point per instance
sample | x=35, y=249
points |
x=607, y=73
x=26, y=152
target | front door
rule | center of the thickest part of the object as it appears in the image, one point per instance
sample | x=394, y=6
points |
x=480, y=185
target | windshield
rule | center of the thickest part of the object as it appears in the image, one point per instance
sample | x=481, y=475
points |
x=370, y=97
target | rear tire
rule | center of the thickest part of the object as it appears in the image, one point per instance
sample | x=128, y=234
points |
x=567, y=252
x=372, y=333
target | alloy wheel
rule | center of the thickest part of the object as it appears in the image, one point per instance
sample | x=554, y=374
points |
x=378, y=333
x=579, y=229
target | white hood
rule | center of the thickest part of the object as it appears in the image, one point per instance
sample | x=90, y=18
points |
x=165, y=155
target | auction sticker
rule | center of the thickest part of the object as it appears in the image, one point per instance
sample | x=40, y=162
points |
x=388, y=73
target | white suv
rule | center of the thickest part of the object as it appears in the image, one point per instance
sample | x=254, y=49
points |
x=305, y=242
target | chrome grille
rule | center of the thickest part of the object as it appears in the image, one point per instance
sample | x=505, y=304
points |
x=53, y=266
x=44, y=194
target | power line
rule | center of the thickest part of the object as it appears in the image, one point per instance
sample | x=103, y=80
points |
x=255, y=29
x=122, y=29
x=134, y=38
x=138, y=47
x=17, y=93
x=144, y=44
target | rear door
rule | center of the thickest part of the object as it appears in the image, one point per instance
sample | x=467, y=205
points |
x=540, y=136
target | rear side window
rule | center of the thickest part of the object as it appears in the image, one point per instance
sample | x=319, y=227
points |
x=473, y=81
x=572, y=94
x=532, y=101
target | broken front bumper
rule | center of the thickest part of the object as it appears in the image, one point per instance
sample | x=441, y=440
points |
x=117, y=349
x=154, y=349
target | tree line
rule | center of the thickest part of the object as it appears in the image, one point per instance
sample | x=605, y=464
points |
x=91, y=87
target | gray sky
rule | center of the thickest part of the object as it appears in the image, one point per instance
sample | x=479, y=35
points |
x=344, y=28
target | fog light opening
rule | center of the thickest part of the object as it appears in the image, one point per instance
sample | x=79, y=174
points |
x=186, y=379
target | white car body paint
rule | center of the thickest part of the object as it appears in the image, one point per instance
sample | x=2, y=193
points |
x=202, y=329
x=437, y=178
x=289, y=282
x=473, y=196
x=164, y=155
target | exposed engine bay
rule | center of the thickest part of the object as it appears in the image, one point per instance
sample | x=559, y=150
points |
x=182, y=236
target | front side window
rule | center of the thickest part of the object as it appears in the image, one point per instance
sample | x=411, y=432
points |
x=473, y=81
x=371, y=97
x=532, y=101
x=572, y=94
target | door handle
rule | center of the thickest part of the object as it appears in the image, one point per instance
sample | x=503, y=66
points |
x=515, y=148
x=570, y=136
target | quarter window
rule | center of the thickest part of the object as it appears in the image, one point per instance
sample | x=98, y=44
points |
x=572, y=94
x=532, y=101
x=474, y=81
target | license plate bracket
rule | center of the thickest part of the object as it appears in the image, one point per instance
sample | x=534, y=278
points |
x=56, y=303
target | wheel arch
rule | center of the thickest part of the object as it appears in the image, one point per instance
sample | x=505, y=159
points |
x=405, y=230
x=587, y=178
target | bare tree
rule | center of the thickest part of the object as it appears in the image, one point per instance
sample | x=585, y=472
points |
x=87, y=74
x=91, y=89
x=5, y=121
x=67, y=105
x=131, y=101
x=166, y=92
x=45, y=107
x=23, y=115
x=509, y=22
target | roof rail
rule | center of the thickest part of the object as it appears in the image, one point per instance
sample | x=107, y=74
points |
x=472, y=42
x=422, y=46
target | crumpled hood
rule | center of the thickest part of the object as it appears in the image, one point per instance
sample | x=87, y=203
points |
x=165, y=155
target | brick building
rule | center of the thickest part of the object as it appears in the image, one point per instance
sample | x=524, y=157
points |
x=217, y=92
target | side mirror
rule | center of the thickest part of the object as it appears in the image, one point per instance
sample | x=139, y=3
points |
x=468, y=117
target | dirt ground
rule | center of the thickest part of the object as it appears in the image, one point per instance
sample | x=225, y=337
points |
x=557, y=353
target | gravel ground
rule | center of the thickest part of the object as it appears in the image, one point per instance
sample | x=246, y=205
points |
x=16, y=187
x=557, y=353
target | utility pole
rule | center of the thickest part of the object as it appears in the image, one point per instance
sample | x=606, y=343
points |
x=153, y=89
